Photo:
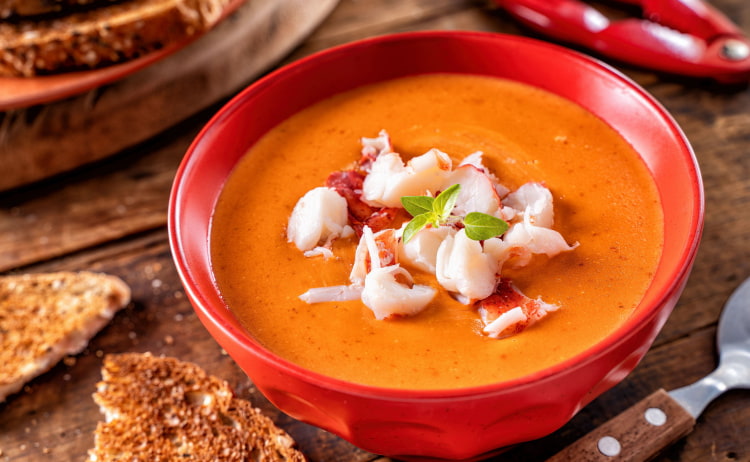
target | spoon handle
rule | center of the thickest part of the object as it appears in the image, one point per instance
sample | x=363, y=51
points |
x=636, y=435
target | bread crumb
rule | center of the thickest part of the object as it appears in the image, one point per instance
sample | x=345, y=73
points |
x=169, y=340
x=69, y=361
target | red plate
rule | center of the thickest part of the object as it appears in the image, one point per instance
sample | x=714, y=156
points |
x=18, y=92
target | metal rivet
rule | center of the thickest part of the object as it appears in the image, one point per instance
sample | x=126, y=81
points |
x=655, y=416
x=609, y=446
x=735, y=50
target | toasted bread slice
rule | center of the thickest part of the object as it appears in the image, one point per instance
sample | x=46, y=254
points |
x=18, y=8
x=44, y=317
x=101, y=36
x=160, y=408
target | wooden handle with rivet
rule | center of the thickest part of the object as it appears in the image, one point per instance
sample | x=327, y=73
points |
x=638, y=434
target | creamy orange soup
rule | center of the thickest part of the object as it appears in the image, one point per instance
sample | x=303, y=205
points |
x=604, y=197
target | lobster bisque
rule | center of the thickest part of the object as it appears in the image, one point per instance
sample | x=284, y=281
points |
x=605, y=199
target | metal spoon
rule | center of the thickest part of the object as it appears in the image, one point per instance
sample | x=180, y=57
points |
x=642, y=431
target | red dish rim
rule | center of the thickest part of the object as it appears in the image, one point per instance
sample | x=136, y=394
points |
x=620, y=335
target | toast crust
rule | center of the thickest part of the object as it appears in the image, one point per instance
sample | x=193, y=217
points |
x=102, y=36
x=160, y=408
x=21, y=8
x=44, y=317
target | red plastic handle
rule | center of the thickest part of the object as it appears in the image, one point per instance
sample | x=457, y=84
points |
x=685, y=37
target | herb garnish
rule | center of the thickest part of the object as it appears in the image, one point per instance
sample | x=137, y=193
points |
x=437, y=211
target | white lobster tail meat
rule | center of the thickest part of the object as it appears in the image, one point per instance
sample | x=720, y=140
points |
x=318, y=218
x=508, y=311
x=535, y=201
x=522, y=241
x=374, y=250
x=374, y=147
x=390, y=179
x=421, y=251
x=536, y=239
x=332, y=294
x=475, y=159
x=477, y=193
x=386, y=296
x=463, y=268
x=389, y=289
x=503, y=252
x=504, y=322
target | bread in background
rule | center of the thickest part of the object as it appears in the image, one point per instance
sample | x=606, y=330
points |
x=101, y=36
x=13, y=9
x=160, y=408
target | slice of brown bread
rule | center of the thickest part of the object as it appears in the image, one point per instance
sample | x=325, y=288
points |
x=101, y=36
x=160, y=408
x=18, y=8
x=46, y=316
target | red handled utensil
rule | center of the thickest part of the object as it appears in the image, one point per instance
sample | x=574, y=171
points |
x=684, y=37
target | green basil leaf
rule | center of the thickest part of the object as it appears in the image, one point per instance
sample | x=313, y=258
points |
x=415, y=225
x=480, y=226
x=445, y=201
x=417, y=205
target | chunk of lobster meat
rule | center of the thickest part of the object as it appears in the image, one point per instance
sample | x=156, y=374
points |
x=383, y=218
x=319, y=217
x=463, y=268
x=421, y=250
x=536, y=239
x=389, y=292
x=348, y=184
x=508, y=311
x=390, y=179
x=374, y=147
x=375, y=250
x=478, y=193
x=534, y=200
x=515, y=256
x=332, y=294
x=475, y=159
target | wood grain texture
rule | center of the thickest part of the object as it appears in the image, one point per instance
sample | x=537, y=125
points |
x=72, y=222
x=631, y=436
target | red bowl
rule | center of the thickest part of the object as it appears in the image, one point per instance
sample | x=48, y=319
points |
x=443, y=424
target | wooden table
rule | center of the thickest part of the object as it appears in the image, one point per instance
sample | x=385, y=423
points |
x=110, y=216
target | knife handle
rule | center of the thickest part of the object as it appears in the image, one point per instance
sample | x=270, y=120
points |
x=638, y=434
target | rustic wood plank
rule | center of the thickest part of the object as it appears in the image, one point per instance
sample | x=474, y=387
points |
x=108, y=201
x=355, y=20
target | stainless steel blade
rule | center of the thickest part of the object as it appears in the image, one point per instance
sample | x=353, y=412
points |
x=733, y=340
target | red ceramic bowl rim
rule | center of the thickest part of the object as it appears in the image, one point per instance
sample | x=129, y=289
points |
x=621, y=334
